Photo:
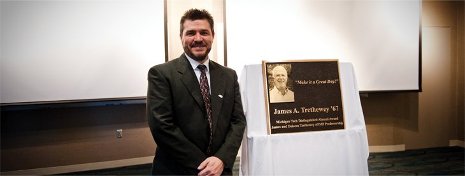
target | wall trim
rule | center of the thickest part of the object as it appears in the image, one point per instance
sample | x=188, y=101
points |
x=82, y=167
x=387, y=148
x=456, y=143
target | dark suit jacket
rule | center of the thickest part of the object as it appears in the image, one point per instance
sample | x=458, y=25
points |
x=178, y=119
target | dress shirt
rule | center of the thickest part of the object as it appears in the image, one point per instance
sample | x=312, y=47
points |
x=276, y=96
x=197, y=71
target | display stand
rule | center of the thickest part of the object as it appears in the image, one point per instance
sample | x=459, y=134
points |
x=336, y=152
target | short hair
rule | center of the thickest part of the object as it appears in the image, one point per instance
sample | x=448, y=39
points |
x=196, y=14
x=281, y=67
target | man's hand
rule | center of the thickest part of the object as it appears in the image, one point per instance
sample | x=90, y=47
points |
x=211, y=166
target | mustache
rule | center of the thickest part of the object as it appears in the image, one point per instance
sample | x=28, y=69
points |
x=198, y=44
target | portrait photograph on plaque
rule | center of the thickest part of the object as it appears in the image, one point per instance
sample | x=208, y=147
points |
x=303, y=95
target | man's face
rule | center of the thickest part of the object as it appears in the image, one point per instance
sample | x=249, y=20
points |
x=197, y=39
x=280, y=77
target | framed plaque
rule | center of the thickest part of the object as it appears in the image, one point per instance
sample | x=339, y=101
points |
x=303, y=95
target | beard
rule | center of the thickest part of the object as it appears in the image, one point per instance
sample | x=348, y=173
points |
x=198, y=57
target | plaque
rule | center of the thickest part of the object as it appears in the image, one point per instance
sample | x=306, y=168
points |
x=303, y=95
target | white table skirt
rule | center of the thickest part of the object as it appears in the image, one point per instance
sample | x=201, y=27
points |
x=336, y=152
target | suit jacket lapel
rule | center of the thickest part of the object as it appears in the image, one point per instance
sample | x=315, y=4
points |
x=217, y=91
x=189, y=79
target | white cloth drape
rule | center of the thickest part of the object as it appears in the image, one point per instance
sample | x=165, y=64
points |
x=337, y=152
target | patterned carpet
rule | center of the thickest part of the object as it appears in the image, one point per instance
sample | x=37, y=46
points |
x=432, y=161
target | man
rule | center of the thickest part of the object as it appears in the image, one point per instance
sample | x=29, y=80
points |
x=194, y=113
x=280, y=92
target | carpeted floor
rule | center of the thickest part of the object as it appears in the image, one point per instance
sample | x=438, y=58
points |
x=432, y=161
